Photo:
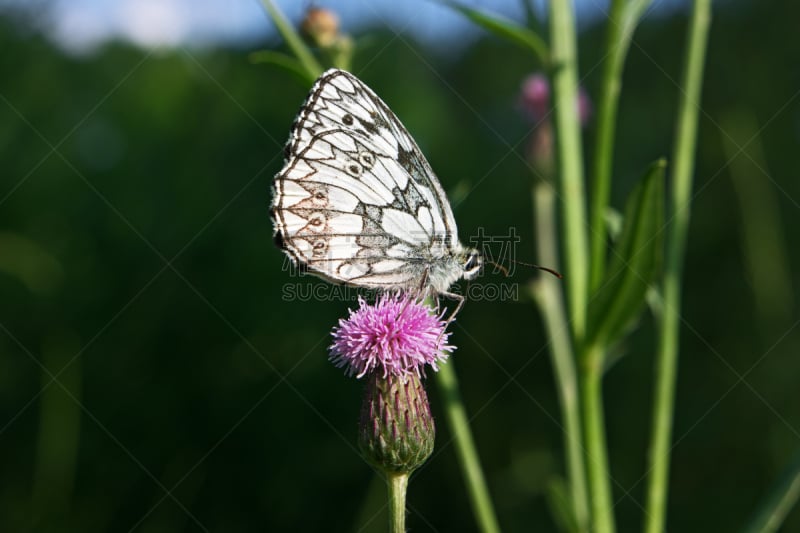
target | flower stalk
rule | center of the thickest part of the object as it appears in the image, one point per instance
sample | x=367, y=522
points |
x=669, y=333
x=570, y=161
x=547, y=292
x=591, y=379
x=458, y=422
x=549, y=297
x=604, y=145
x=398, y=484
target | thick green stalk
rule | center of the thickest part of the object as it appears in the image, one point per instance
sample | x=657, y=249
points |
x=548, y=295
x=570, y=156
x=397, y=484
x=622, y=20
x=604, y=142
x=293, y=40
x=595, y=439
x=667, y=352
x=465, y=447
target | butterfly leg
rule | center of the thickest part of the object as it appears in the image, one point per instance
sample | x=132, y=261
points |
x=457, y=297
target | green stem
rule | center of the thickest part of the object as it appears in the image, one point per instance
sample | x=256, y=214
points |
x=548, y=296
x=622, y=20
x=595, y=435
x=293, y=40
x=397, y=483
x=667, y=356
x=565, y=91
x=604, y=142
x=780, y=500
x=58, y=442
x=465, y=447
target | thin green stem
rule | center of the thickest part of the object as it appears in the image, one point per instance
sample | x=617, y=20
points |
x=622, y=20
x=667, y=352
x=58, y=443
x=397, y=484
x=595, y=438
x=780, y=500
x=465, y=448
x=565, y=90
x=293, y=40
x=548, y=296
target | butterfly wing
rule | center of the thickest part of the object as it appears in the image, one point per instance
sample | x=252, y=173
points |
x=356, y=201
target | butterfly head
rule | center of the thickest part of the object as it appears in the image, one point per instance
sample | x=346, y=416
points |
x=473, y=263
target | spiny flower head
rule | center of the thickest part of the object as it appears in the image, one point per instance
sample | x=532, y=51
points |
x=397, y=335
x=396, y=431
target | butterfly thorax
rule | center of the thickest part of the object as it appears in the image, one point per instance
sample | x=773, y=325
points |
x=461, y=263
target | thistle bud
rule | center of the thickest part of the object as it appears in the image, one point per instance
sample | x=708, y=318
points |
x=396, y=430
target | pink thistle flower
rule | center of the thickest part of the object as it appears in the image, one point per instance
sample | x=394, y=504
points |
x=397, y=335
x=535, y=99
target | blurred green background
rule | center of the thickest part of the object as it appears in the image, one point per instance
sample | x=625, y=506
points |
x=152, y=378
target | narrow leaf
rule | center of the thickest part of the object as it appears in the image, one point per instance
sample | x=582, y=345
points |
x=560, y=504
x=284, y=61
x=505, y=29
x=635, y=261
x=779, y=501
x=293, y=40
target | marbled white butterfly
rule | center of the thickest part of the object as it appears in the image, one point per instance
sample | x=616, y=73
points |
x=356, y=201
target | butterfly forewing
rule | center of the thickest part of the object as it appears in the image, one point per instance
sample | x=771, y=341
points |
x=356, y=202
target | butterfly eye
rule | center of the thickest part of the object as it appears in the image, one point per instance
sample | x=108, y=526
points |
x=472, y=265
x=348, y=119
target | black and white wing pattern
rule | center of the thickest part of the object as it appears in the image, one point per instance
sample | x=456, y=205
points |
x=356, y=201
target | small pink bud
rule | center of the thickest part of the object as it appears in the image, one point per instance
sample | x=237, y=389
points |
x=584, y=106
x=535, y=99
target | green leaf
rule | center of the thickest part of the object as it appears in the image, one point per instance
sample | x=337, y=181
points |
x=613, y=220
x=635, y=261
x=286, y=62
x=505, y=29
x=779, y=501
x=560, y=504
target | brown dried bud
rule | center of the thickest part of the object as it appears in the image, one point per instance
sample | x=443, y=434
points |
x=321, y=27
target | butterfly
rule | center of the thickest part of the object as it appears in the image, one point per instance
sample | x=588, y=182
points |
x=357, y=203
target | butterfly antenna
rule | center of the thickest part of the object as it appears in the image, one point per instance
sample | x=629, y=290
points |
x=556, y=273
x=500, y=267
